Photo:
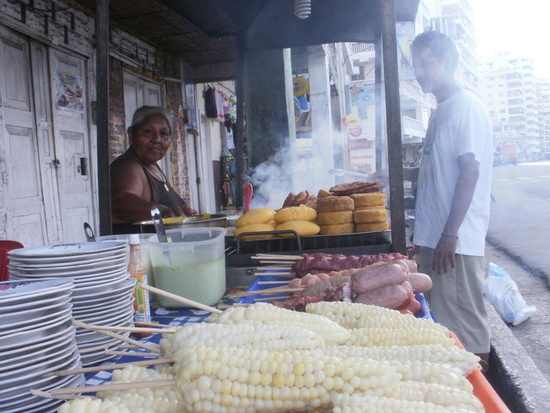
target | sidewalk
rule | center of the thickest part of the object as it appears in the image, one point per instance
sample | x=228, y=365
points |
x=534, y=334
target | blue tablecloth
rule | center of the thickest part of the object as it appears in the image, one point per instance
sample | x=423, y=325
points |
x=179, y=317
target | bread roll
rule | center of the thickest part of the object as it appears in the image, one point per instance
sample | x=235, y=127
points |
x=302, y=228
x=299, y=213
x=255, y=228
x=256, y=216
x=323, y=194
x=335, y=203
x=335, y=218
x=370, y=215
x=338, y=229
x=374, y=199
x=376, y=227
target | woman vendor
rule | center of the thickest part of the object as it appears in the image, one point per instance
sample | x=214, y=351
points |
x=137, y=182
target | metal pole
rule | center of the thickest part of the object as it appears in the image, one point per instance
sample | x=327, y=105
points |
x=393, y=124
x=102, y=115
x=240, y=139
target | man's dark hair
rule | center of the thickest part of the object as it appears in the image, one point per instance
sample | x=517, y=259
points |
x=441, y=46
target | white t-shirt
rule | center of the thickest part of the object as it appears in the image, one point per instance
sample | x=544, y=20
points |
x=458, y=126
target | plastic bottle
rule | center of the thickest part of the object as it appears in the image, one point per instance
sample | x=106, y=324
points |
x=135, y=268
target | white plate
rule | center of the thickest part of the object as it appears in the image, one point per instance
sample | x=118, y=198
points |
x=40, y=405
x=39, y=353
x=25, y=348
x=114, y=259
x=86, y=337
x=80, y=249
x=33, y=305
x=78, y=278
x=53, y=361
x=25, y=380
x=89, y=283
x=105, y=318
x=35, y=383
x=33, y=313
x=115, y=320
x=26, y=337
x=33, y=323
x=102, y=287
x=17, y=292
x=68, y=381
x=105, y=295
x=66, y=260
x=102, y=310
x=68, y=272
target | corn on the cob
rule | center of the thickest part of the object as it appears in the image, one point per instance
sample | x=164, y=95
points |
x=431, y=393
x=247, y=334
x=163, y=400
x=368, y=337
x=374, y=404
x=242, y=380
x=452, y=356
x=357, y=315
x=330, y=331
x=88, y=405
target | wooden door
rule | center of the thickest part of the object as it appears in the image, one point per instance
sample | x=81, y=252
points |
x=22, y=215
x=71, y=136
x=139, y=92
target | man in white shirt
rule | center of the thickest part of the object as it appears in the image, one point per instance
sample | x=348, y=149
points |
x=453, y=194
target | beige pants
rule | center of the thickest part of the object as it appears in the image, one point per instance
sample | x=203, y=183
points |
x=456, y=298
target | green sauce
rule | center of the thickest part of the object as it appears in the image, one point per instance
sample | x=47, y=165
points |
x=203, y=282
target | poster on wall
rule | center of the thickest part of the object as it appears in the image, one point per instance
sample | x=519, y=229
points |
x=69, y=86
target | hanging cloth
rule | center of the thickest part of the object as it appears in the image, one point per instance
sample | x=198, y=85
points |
x=210, y=104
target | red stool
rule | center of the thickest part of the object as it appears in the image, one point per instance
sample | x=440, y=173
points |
x=5, y=247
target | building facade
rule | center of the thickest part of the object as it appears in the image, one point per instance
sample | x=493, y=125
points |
x=510, y=92
x=543, y=106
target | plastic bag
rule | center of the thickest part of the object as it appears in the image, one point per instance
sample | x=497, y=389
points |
x=503, y=293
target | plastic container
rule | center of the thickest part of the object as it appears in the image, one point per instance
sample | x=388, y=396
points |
x=191, y=264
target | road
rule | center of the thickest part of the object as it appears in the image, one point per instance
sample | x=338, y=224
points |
x=518, y=241
x=520, y=216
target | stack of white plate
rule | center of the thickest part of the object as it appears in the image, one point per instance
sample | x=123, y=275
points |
x=36, y=339
x=102, y=292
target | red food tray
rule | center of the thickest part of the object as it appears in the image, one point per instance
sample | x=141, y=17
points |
x=484, y=391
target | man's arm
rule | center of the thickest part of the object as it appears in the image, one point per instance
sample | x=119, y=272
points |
x=444, y=257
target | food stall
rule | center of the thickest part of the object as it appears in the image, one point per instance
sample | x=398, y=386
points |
x=335, y=356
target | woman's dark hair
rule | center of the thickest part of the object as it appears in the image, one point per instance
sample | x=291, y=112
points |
x=441, y=46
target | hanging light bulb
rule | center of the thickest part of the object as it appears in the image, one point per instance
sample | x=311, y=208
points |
x=302, y=9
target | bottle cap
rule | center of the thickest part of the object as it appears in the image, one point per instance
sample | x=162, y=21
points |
x=134, y=239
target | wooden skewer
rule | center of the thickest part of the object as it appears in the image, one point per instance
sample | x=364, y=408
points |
x=113, y=366
x=155, y=348
x=272, y=282
x=274, y=274
x=46, y=395
x=269, y=291
x=149, y=324
x=180, y=299
x=277, y=257
x=270, y=298
x=105, y=387
x=146, y=330
x=275, y=268
x=130, y=353
x=281, y=263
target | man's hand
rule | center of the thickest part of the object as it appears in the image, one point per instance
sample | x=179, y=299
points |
x=444, y=254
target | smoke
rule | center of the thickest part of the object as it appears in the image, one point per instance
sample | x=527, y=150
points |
x=304, y=165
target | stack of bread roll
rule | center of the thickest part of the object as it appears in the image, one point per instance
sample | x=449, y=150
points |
x=300, y=219
x=370, y=213
x=256, y=220
x=335, y=214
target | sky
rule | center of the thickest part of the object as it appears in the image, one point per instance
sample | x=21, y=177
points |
x=521, y=27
